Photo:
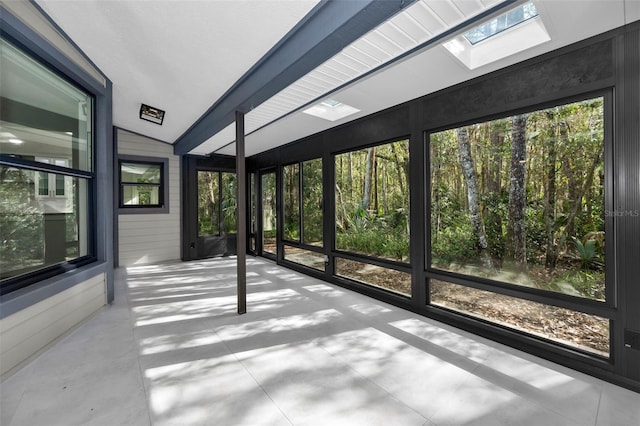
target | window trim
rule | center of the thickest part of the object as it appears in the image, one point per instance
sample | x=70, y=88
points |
x=163, y=195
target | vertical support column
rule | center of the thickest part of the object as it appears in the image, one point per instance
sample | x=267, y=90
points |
x=241, y=213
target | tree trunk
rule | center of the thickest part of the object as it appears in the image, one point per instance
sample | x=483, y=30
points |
x=368, y=177
x=469, y=172
x=516, y=237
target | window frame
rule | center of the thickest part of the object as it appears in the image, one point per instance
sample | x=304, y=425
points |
x=31, y=278
x=606, y=309
x=163, y=192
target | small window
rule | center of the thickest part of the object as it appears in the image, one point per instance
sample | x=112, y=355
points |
x=143, y=186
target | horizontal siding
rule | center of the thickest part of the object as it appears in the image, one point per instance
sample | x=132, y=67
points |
x=29, y=331
x=148, y=238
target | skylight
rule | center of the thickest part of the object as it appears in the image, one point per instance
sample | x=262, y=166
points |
x=500, y=23
x=331, y=110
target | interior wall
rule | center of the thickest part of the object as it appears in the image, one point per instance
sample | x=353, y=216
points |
x=155, y=237
x=606, y=65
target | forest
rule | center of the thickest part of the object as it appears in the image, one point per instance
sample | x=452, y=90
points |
x=372, y=201
x=521, y=199
x=216, y=203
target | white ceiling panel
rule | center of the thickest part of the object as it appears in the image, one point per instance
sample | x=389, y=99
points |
x=179, y=56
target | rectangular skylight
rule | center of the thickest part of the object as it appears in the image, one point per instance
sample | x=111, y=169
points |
x=500, y=23
x=331, y=110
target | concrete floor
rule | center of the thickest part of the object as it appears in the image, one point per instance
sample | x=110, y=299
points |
x=172, y=351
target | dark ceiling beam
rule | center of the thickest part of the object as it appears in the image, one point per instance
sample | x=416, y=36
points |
x=326, y=30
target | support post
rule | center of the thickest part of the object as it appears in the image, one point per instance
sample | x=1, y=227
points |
x=241, y=214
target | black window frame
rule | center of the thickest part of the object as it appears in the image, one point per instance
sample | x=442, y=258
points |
x=602, y=308
x=33, y=277
x=163, y=192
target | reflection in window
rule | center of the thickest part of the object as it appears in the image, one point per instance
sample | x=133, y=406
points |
x=141, y=184
x=521, y=199
x=377, y=276
x=54, y=124
x=39, y=231
x=372, y=201
x=577, y=329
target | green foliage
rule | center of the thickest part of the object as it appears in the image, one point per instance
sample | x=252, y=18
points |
x=374, y=224
x=564, y=181
x=587, y=251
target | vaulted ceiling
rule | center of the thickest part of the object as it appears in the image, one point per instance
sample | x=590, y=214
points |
x=184, y=57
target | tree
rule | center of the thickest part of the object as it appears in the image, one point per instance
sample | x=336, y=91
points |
x=516, y=236
x=368, y=178
x=468, y=169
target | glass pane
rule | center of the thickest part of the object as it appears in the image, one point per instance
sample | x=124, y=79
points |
x=134, y=195
x=252, y=201
x=269, y=213
x=42, y=115
x=228, y=203
x=141, y=173
x=583, y=331
x=312, y=202
x=290, y=185
x=377, y=276
x=501, y=23
x=60, y=184
x=372, y=201
x=37, y=231
x=208, y=203
x=304, y=257
x=521, y=200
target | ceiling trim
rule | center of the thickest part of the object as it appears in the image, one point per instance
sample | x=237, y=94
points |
x=325, y=31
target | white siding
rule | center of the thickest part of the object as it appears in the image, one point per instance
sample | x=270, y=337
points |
x=27, y=332
x=147, y=238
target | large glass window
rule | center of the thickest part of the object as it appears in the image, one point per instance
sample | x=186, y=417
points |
x=303, y=222
x=372, y=201
x=269, y=222
x=521, y=200
x=216, y=203
x=312, y=202
x=291, y=187
x=45, y=168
